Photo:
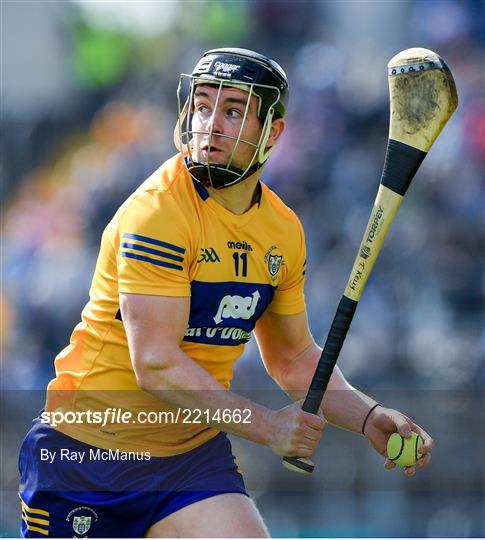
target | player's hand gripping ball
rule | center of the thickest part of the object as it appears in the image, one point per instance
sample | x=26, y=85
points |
x=404, y=452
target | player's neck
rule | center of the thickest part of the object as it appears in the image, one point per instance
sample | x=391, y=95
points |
x=238, y=198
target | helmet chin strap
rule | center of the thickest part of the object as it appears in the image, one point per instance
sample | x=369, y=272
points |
x=221, y=176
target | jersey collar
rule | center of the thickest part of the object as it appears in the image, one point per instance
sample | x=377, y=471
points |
x=204, y=195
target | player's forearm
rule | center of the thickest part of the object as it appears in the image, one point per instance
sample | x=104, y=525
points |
x=343, y=405
x=347, y=408
x=181, y=382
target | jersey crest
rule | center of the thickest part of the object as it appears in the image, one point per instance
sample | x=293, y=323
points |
x=274, y=262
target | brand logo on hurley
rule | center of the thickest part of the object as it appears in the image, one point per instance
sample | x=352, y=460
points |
x=365, y=252
x=237, y=307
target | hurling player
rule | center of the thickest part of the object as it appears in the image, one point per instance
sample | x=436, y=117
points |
x=198, y=258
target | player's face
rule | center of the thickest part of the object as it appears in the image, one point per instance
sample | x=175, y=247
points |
x=224, y=121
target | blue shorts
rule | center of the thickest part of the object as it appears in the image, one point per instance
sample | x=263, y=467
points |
x=113, y=497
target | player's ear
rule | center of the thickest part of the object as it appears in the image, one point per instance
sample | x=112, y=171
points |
x=277, y=128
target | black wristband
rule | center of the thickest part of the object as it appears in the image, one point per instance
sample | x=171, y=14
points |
x=367, y=417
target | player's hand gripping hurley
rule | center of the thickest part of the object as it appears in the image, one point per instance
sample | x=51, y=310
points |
x=422, y=97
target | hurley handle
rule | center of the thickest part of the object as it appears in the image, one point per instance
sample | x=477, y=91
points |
x=331, y=350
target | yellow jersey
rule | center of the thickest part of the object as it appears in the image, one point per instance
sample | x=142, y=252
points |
x=170, y=238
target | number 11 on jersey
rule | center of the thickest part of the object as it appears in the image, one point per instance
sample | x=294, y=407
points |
x=244, y=258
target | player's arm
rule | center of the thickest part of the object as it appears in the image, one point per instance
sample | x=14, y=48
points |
x=290, y=356
x=155, y=326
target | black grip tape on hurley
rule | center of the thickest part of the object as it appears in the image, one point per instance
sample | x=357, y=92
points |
x=331, y=350
x=401, y=163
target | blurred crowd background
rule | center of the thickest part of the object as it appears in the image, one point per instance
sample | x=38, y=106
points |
x=88, y=106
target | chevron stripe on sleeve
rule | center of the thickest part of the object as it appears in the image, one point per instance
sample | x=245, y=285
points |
x=153, y=251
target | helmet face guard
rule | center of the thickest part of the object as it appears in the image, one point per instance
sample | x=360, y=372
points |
x=234, y=68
